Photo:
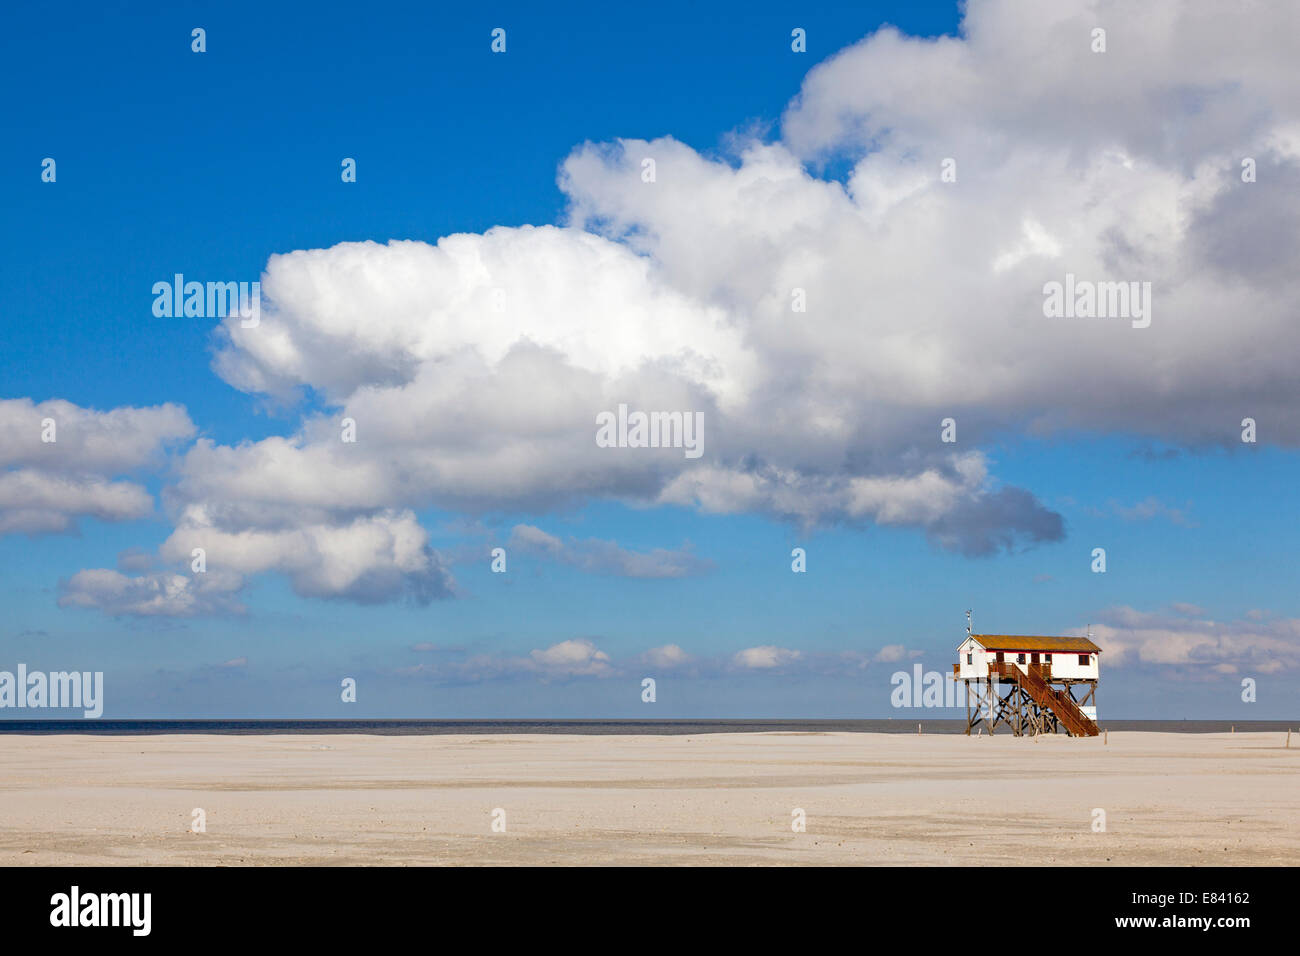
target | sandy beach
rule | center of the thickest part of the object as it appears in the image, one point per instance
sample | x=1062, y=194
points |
x=1169, y=799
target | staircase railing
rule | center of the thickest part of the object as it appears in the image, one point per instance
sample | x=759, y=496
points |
x=1058, y=702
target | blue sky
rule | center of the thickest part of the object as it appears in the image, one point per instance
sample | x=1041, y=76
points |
x=209, y=164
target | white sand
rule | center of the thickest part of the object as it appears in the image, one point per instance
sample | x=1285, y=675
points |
x=714, y=798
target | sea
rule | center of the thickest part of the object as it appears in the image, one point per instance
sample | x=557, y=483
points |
x=585, y=727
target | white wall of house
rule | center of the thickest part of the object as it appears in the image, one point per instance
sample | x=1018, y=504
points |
x=973, y=661
x=1068, y=665
x=978, y=665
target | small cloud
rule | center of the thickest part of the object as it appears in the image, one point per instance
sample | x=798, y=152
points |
x=596, y=556
x=1147, y=509
x=893, y=653
x=156, y=594
x=668, y=657
x=424, y=647
x=765, y=657
x=572, y=658
x=236, y=662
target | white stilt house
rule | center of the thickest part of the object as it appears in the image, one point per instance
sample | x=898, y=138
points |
x=1029, y=683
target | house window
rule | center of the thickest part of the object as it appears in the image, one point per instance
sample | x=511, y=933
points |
x=999, y=657
x=1033, y=658
x=1083, y=660
x=970, y=658
x=1020, y=658
x=1047, y=658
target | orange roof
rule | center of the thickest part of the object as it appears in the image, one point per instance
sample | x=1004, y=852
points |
x=1024, y=642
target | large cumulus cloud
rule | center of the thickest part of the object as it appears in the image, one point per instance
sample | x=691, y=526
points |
x=474, y=369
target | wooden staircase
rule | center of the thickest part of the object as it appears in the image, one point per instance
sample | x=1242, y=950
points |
x=1059, y=702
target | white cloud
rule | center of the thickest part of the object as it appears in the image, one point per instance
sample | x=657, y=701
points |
x=35, y=502
x=1179, y=78
x=574, y=658
x=667, y=657
x=368, y=559
x=1121, y=165
x=157, y=594
x=1193, y=645
x=47, y=485
x=86, y=440
x=765, y=657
